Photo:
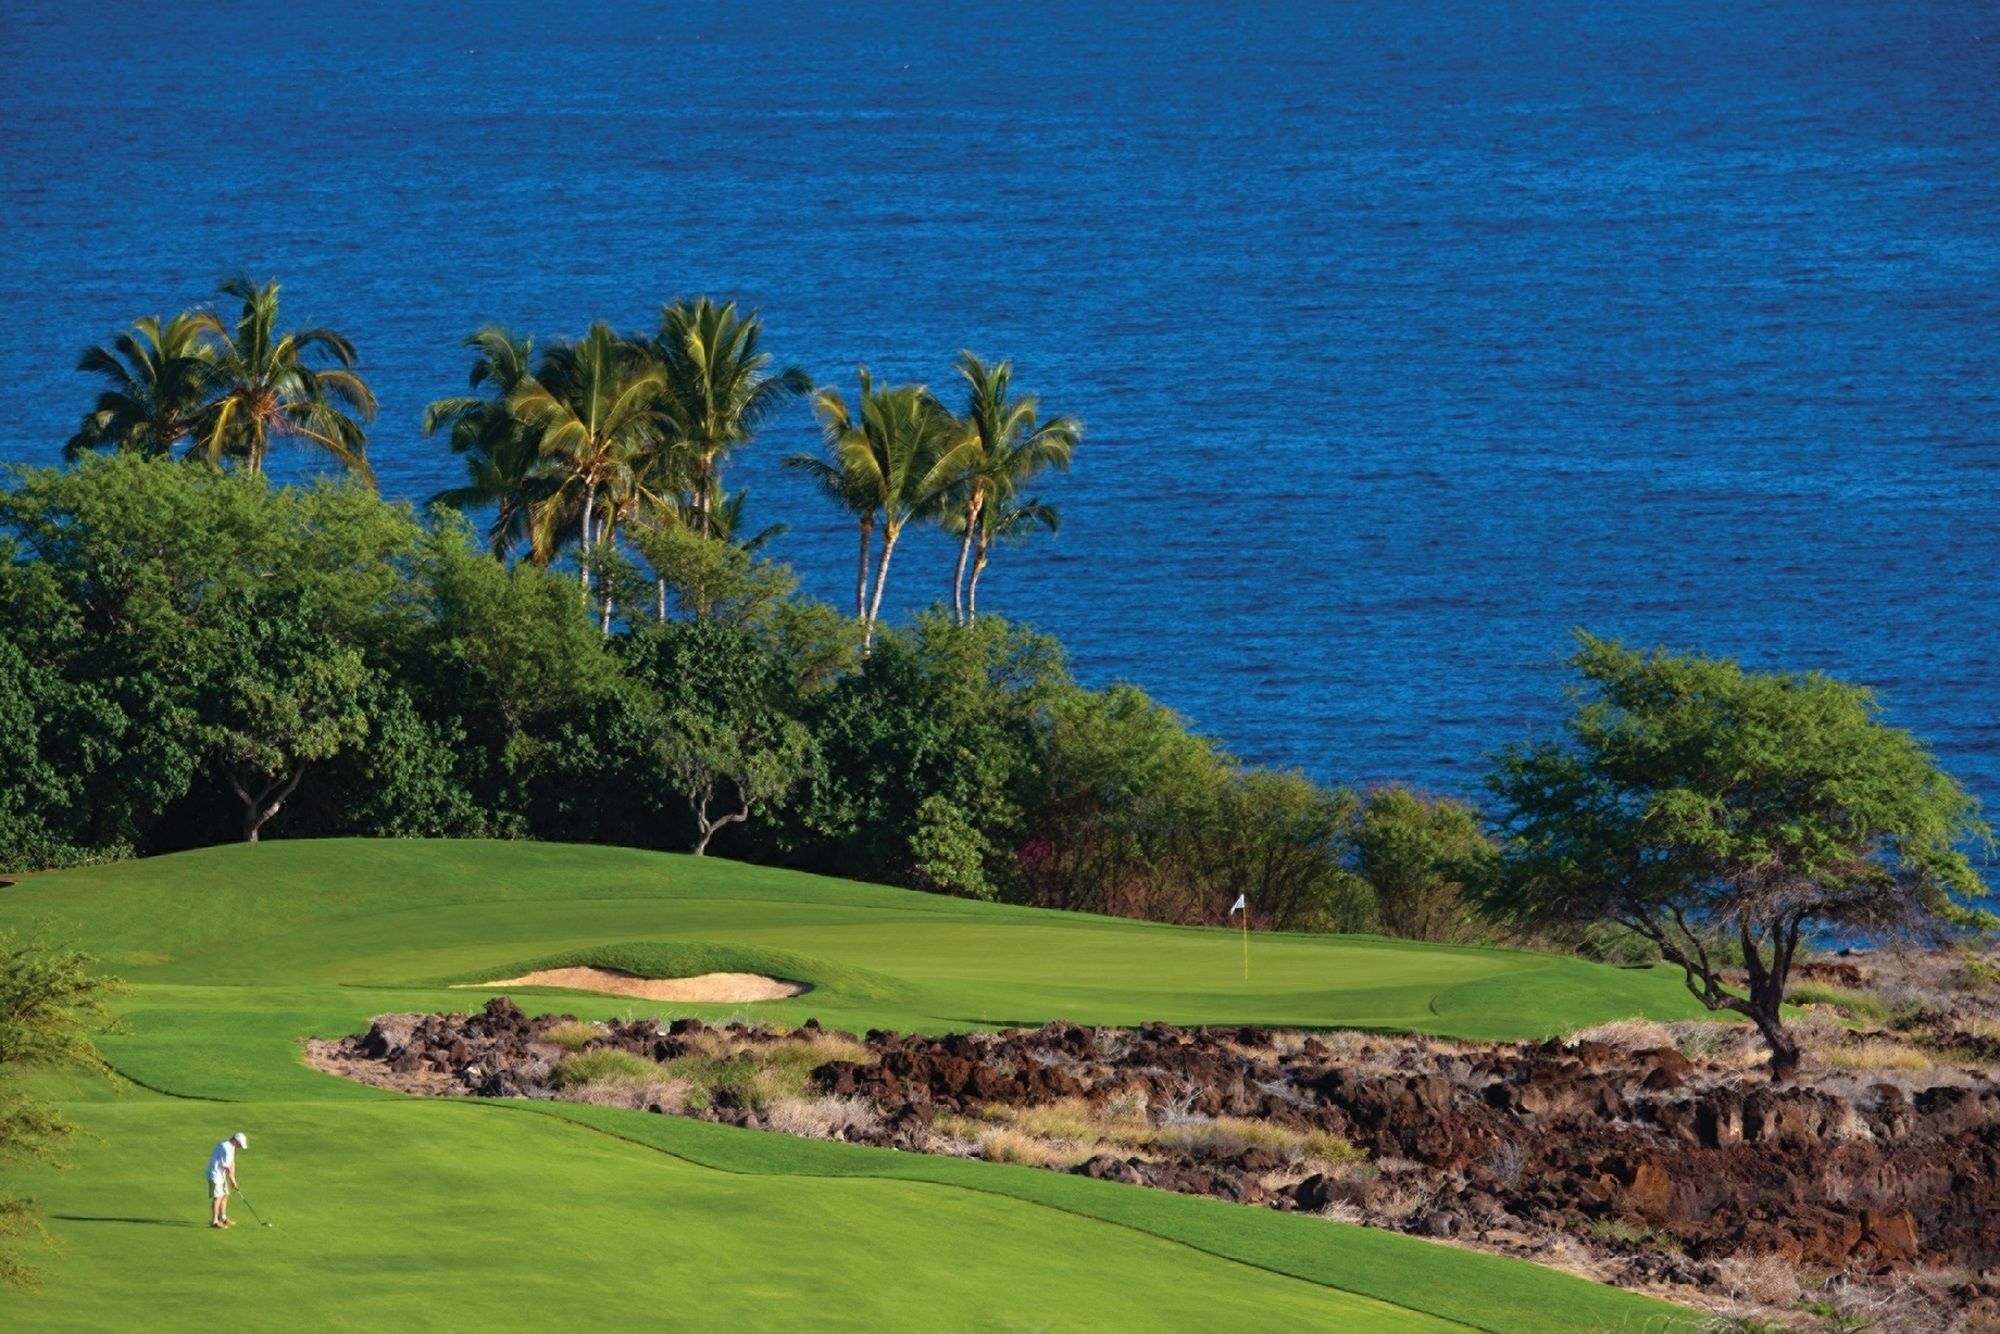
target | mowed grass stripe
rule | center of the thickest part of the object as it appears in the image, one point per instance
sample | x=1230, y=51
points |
x=422, y=1215
x=234, y=955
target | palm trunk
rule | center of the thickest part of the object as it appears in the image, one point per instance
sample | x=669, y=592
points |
x=890, y=533
x=972, y=507
x=663, y=601
x=583, y=550
x=978, y=568
x=703, y=499
x=610, y=535
x=861, y=579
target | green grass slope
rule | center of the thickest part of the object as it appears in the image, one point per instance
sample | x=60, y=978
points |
x=461, y=1214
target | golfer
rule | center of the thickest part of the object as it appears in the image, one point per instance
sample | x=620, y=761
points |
x=222, y=1178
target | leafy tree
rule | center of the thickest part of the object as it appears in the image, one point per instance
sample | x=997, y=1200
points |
x=1419, y=854
x=266, y=385
x=898, y=448
x=50, y=1005
x=816, y=644
x=405, y=782
x=158, y=375
x=720, y=391
x=941, y=710
x=711, y=578
x=1007, y=445
x=743, y=763
x=1126, y=792
x=1688, y=799
x=290, y=699
x=59, y=742
x=126, y=595
x=507, y=650
x=948, y=853
x=1277, y=838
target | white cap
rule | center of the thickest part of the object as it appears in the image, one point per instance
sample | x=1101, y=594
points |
x=242, y=1140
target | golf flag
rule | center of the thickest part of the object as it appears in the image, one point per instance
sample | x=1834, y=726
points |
x=1242, y=905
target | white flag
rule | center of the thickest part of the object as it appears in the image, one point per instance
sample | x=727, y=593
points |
x=1242, y=905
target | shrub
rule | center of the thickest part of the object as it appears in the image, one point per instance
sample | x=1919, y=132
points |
x=1419, y=853
x=1975, y=974
x=1334, y=1150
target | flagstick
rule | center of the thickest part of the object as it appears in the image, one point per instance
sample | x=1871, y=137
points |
x=1246, y=944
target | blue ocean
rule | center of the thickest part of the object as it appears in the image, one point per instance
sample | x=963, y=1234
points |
x=1409, y=336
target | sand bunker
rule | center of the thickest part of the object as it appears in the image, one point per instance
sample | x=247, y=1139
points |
x=713, y=988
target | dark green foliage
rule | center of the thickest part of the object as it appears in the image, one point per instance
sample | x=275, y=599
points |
x=286, y=699
x=50, y=1005
x=1689, y=799
x=405, y=782
x=955, y=712
x=58, y=741
x=1126, y=788
x=1418, y=854
x=190, y=655
x=1282, y=840
x=1142, y=818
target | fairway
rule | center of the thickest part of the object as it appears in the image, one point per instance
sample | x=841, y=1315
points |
x=469, y=1214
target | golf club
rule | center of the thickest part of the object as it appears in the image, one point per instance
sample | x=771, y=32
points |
x=253, y=1208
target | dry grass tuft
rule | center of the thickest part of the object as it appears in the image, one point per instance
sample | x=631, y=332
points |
x=1875, y=1053
x=822, y=1118
x=574, y=1034
x=1075, y=1121
x=635, y=1094
x=1627, y=1035
x=1126, y=1105
x=830, y=1048
x=1004, y=1144
x=1224, y=1136
x=605, y=1064
x=1845, y=1000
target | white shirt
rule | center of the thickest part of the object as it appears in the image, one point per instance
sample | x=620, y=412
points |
x=222, y=1159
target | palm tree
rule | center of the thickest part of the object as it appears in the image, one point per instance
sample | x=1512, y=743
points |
x=502, y=456
x=594, y=405
x=159, y=380
x=1010, y=444
x=719, y=390
x=851, y=491
x=1005, y=521
x=726, y=523
x=266, y=386
x=898, y=456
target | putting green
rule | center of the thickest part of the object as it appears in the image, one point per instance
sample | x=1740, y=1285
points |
x=459, y=1214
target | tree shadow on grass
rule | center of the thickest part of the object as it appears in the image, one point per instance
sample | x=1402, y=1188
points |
x=104, y=1218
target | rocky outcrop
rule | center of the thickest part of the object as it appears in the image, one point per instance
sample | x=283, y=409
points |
x=1647, y=1153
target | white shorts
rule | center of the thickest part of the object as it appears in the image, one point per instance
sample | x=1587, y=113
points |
x=218, y=1187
